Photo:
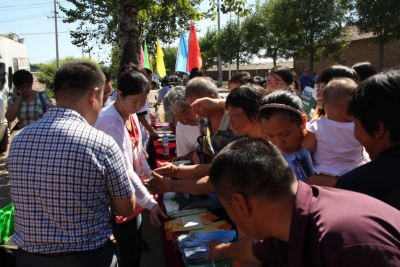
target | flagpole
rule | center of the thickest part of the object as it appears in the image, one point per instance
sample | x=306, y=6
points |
x=219, y=84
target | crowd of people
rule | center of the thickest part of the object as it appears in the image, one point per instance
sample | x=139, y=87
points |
x=77, y=168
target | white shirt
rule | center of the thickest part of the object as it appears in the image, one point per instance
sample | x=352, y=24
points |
x=186, y=138
x=338, y=151
x=111, y=123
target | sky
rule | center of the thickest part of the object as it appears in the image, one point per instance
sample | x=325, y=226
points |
x=34, y=21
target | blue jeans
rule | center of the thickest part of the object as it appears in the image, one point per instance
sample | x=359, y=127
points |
x=129, y=241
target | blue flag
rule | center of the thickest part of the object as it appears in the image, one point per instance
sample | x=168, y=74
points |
x=181, y=57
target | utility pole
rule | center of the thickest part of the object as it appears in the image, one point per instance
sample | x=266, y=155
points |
x=55, y=18
x=229, y=64
x=219, y=84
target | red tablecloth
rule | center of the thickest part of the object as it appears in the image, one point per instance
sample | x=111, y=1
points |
x=172, y=255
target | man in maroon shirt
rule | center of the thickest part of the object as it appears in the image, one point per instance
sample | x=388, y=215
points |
x=290, y=223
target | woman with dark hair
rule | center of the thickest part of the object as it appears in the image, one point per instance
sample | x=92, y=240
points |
x=280, y=77
x=26, y=104
x=242, y=105
x=374, y=107
x=120, y=121
x=283, y=120
x=324, y=78
x=238, y=79
x=364, y=70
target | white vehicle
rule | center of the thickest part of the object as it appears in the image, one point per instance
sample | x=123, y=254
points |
x=13, y=57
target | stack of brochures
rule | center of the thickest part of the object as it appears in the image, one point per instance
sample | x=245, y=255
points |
x=194, y=250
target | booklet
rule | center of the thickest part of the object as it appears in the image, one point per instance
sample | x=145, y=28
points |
x=309, y=98
x=192, y=223
x=301, y=163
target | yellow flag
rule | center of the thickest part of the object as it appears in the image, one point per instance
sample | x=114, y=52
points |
x=160, y=61
x=151, y=63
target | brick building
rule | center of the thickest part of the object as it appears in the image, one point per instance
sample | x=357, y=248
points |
x=362, y=47
x=255, y=69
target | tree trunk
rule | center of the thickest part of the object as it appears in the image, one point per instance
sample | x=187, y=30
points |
x=237, y=62
x=381, y=55
x=128, y=32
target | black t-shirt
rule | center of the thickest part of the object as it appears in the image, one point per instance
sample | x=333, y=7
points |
x=379, y=178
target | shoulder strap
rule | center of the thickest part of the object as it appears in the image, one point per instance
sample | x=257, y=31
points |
x=42, y=102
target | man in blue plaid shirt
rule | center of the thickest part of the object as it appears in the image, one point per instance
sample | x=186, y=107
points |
x=64, y=176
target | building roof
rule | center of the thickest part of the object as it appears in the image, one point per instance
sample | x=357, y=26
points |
x=356, y=35
x=254, y=66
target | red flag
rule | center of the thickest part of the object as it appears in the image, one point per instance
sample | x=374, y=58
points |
x=194, y=56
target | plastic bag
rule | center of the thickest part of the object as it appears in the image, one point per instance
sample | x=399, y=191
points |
x=6, y=223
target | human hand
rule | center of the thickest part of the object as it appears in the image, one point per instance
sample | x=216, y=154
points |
x=167, y=169
x=155, y=214
x=216, y=249
x=154, y=134
x=18, y=95
x=204, y=103
x=153, y=118
x=159, y=184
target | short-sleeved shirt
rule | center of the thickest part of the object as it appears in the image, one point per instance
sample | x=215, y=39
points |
x=379, y=178
x=335, y=228
x=29, y=112
x=63, y=173
x=338, y=151
x=223, y=136
x=186, y=139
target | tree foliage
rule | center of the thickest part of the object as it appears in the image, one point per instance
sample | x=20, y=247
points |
x=136, y=21
x=170, y=58
x=263, y=30
x=208, y=49
x=231, y=45
x=317, y=28
x=380, y=17
x=48, y=70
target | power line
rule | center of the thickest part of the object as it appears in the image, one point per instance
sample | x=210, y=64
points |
x=21, y=18
x=39, y=33
x=44, y=3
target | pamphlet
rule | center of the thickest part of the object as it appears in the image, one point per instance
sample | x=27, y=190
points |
x=301, y=163
x=309, y=98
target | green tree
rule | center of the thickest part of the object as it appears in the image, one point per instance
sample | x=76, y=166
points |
x=380, y=17
x=231, y=45
x=170, y=58
x=320, y=27
x=48, y=71
x=262, y=31
x=129, y=22
x=208, y=49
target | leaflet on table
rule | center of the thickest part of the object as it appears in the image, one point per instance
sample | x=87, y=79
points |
x=309, y=98
x=204, y=237
x=181, y=213
x=194, y=250
x=192, y=222
x=301, y=163
x=210, y=223
x=170, y=202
